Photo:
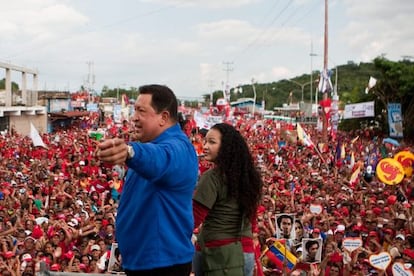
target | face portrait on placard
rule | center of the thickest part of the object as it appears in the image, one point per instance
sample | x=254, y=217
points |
x=312, y=250
x=285, y=226
x=115, y=260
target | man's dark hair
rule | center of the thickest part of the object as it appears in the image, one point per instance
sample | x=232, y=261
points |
x=279, y=219
x=310, y=243
x=163, y=99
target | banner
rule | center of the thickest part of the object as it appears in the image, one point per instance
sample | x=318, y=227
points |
x=359, y=110
x=334, y=114
x=117, y=113
x=395, y=120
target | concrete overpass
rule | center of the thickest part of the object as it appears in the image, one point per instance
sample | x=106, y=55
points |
x=20, y=116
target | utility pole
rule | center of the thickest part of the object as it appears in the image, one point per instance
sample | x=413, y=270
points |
x=210, y=89
x=228, y=69
x=90, y=80
x=254, y=96
x=312, y=54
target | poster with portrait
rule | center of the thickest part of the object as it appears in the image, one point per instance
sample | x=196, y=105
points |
x=312, y=250
x=115, y=261
x=395, y=120
x=285, y=226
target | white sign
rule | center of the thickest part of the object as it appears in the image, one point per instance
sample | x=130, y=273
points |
x=380, y=261
x=352, y=244
x=359, y=110
x=399, y=269
x=316, y=208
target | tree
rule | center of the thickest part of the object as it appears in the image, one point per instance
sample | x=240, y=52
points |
x=396, y=85
x=15, y=86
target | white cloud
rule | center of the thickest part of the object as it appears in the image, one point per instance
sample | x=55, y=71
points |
x=184, y=43
x=215, y=4
x=280, y=73
x=225, y=30
x=380, y=27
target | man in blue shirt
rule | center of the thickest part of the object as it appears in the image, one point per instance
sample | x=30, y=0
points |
x=154, y=222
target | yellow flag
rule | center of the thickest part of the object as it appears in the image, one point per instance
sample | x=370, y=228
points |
x=343, y=151
x=355, y=176
x=355, y=139
x=352, y=163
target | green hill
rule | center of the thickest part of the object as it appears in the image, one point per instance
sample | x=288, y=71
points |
x=395, y=84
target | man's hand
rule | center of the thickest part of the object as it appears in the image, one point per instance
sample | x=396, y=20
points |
x=112, y=151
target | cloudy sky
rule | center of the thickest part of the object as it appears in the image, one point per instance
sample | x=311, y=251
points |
x=195, y=46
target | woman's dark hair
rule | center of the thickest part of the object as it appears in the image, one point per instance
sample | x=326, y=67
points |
x=163, y=98
x=235, y=163
x=181, y=120
x=298, y=221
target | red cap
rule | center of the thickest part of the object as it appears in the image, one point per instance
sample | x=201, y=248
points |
x=356, y=228
x=377, y=211
x=37, y=232
x=46, y=260
x=55, y=267
x=8, y=254
x=69, y=255
x=409, y=253
x=345, y=211
x=373, y=234
x=261, y=209
x=391, y=199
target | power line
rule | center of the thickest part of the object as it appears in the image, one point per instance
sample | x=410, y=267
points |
x=257, y=38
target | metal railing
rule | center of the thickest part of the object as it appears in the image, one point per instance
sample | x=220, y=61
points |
x=44, y=271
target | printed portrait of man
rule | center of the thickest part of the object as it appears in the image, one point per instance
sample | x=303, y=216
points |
x=285, y=227
x=312, y=250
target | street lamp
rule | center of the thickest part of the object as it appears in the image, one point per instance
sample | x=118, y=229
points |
x=302, y=86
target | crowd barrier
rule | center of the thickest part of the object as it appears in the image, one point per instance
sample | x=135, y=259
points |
x=44, y=271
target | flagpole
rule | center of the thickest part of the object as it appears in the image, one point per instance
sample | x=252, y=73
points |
x=325, y=68
x=320, y=156
x=285, y=260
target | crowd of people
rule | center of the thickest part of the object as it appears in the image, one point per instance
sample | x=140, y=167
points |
x=312, y=186
x=59, y=204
